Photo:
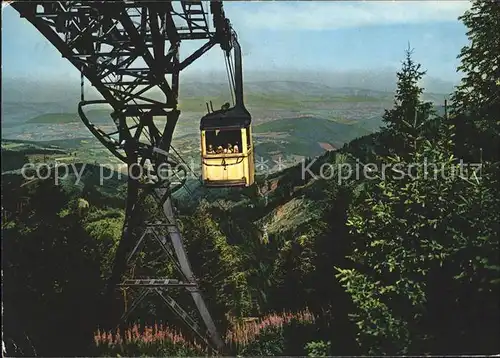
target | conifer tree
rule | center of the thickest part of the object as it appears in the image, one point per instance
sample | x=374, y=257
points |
x=413, y=219
x=410, y=113
x=476, y=101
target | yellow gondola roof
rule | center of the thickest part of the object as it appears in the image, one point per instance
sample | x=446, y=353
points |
x=235, y=117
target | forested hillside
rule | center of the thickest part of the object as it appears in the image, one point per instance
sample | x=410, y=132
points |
x=399, y=258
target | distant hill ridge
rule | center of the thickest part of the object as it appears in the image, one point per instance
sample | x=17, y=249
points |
x=24, y=92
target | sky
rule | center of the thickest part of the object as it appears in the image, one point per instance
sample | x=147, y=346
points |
x=281, y=37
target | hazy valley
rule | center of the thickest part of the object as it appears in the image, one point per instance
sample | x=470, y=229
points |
x=291, y=120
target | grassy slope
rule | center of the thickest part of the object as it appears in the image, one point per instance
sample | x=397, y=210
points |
x=55, y=118
x=309, y=131
x=95, y=115
x=20, y=144
x=271, y=101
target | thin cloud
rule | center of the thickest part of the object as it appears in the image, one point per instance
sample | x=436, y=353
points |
x=324, y=15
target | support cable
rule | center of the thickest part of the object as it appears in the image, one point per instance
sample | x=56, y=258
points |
x=231, y=71
x=82, y=82
x=231, y=85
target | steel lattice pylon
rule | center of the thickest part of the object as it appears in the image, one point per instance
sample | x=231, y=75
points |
x=121, y=48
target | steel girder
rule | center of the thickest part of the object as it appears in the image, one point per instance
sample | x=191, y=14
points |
x=121, y=48
x=127, y=49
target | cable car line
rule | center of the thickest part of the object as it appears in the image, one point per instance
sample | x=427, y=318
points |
x=231, y=72
x=231, y=85
x=79, y=31
x=228, y=125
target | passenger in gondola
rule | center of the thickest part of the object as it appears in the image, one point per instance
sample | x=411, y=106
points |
x=235, y=149
x=230, y=148
x=219, y=150
x=210, y=149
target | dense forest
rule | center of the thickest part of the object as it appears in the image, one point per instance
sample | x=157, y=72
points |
x=404, y=261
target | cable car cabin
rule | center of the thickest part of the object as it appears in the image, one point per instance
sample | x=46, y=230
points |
x=227, y=148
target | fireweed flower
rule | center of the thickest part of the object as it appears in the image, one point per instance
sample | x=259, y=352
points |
x=240, y=334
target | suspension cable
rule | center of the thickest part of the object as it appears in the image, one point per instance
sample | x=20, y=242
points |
x=82, y=82
x=232, y=73
x=231, y=84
